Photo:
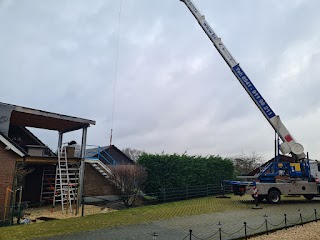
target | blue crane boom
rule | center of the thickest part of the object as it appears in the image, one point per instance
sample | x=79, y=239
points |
x=289, y=144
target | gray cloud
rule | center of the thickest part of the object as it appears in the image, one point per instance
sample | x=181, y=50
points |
x=173, y=91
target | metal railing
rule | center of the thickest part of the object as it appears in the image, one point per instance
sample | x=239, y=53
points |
x=187, y=192
x=100, y=153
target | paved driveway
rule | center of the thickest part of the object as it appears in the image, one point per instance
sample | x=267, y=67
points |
x=206, y=225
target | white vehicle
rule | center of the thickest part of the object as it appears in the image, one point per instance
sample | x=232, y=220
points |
x=281, y=178
x=296, y=178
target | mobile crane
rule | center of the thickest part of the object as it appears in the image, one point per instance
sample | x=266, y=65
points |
x=299, y=177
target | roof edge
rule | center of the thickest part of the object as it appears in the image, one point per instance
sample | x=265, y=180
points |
x=53, y=115
x=49, y=114
x=11, y=146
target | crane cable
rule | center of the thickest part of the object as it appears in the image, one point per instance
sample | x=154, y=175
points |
x=115, y=72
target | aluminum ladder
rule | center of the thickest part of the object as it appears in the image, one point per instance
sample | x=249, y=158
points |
x=66, y=183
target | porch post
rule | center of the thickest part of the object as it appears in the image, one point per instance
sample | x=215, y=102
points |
x=60, y=140
x=82, y=167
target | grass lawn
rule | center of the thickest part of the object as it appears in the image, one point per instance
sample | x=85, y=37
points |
x=123, y=217
x=128, y=216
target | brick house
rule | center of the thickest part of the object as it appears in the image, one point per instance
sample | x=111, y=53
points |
x=9, y=155
x=96, y=182
x=18, y=145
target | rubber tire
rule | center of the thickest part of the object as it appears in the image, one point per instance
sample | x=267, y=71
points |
x=309, y=196
x=274, y=197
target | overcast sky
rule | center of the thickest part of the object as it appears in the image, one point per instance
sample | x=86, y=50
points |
x=173, y=92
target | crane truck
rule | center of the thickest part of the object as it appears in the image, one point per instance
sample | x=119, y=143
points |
x=299, y=177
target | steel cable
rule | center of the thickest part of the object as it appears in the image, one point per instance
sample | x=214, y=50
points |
x=275, y=225
x=253, y=229
x=206, y=237
x=116, y=71
x=293, y=223
x=197, y=237
x=229, y=234
x=186, y=237
x=308, y=218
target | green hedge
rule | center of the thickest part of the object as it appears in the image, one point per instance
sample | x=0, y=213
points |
x=167, y=171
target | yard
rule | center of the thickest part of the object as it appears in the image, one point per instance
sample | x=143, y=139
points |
x=136, y=215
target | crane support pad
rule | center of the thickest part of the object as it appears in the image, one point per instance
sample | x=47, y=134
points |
x=256, y=96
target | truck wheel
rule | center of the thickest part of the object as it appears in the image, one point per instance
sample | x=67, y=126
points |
x=309, y=196
x=274, y=196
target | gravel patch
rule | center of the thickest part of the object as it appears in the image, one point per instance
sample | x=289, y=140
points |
x=306, y=232
x=39, y=214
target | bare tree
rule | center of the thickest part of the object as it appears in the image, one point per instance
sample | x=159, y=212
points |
x=134, y=154
x=129, y=182
x=244, y=164
x=21, y=172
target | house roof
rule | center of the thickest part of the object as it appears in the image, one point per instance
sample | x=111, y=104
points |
x=93, y=152
x=10, y=145
x=124, y=155
x=28, y=117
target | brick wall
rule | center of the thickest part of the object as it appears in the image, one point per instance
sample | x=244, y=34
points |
x=7, y=168
x=95, y=184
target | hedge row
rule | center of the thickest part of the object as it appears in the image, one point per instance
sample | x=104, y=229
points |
x=168, y=171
